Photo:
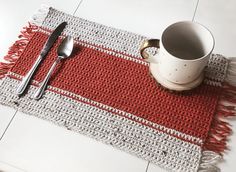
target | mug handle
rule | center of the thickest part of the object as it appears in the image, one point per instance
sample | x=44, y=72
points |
x=147, y=44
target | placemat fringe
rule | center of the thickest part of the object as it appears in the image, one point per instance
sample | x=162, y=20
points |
x=216, y=142
x=231, y=73
x=17, y=48
x=208, y=162
x=218, y=135
x=39, y=17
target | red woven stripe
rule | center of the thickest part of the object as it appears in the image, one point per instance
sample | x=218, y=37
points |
x=124, y=85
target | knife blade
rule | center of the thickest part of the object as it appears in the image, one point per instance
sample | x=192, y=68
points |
x=47, y=46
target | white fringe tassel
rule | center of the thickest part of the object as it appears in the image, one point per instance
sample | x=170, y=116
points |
x=40, y=15
x=231, y=73
x=209, y=161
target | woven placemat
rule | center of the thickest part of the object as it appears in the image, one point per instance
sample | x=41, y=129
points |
x=105, y=91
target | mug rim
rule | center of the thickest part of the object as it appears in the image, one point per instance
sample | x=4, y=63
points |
x=193, y=23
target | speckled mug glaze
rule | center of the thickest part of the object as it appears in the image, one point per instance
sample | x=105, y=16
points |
x=184, y=50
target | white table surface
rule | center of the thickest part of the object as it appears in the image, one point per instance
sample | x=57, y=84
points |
x=31, y=144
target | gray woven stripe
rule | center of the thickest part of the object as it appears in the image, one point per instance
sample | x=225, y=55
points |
x=160, y=148
x=216, y=70
x=94, y=33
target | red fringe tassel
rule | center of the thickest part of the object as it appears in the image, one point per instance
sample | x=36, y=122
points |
x=220, y=128
x=17, y=48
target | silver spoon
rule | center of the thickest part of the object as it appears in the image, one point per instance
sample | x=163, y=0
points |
x=64, y=51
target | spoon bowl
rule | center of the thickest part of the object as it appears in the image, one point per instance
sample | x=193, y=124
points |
x=65, y=48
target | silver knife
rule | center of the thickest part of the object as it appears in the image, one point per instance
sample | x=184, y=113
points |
x=47, y=46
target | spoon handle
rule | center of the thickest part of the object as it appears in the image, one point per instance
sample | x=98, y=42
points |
x=25, y=81
x=38, y=94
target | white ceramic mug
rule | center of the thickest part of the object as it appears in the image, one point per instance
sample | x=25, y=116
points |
x=184, y=50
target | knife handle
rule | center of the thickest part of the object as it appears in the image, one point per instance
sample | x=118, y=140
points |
x=26, y=79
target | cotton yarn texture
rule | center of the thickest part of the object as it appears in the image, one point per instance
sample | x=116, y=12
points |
x=105, y=91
